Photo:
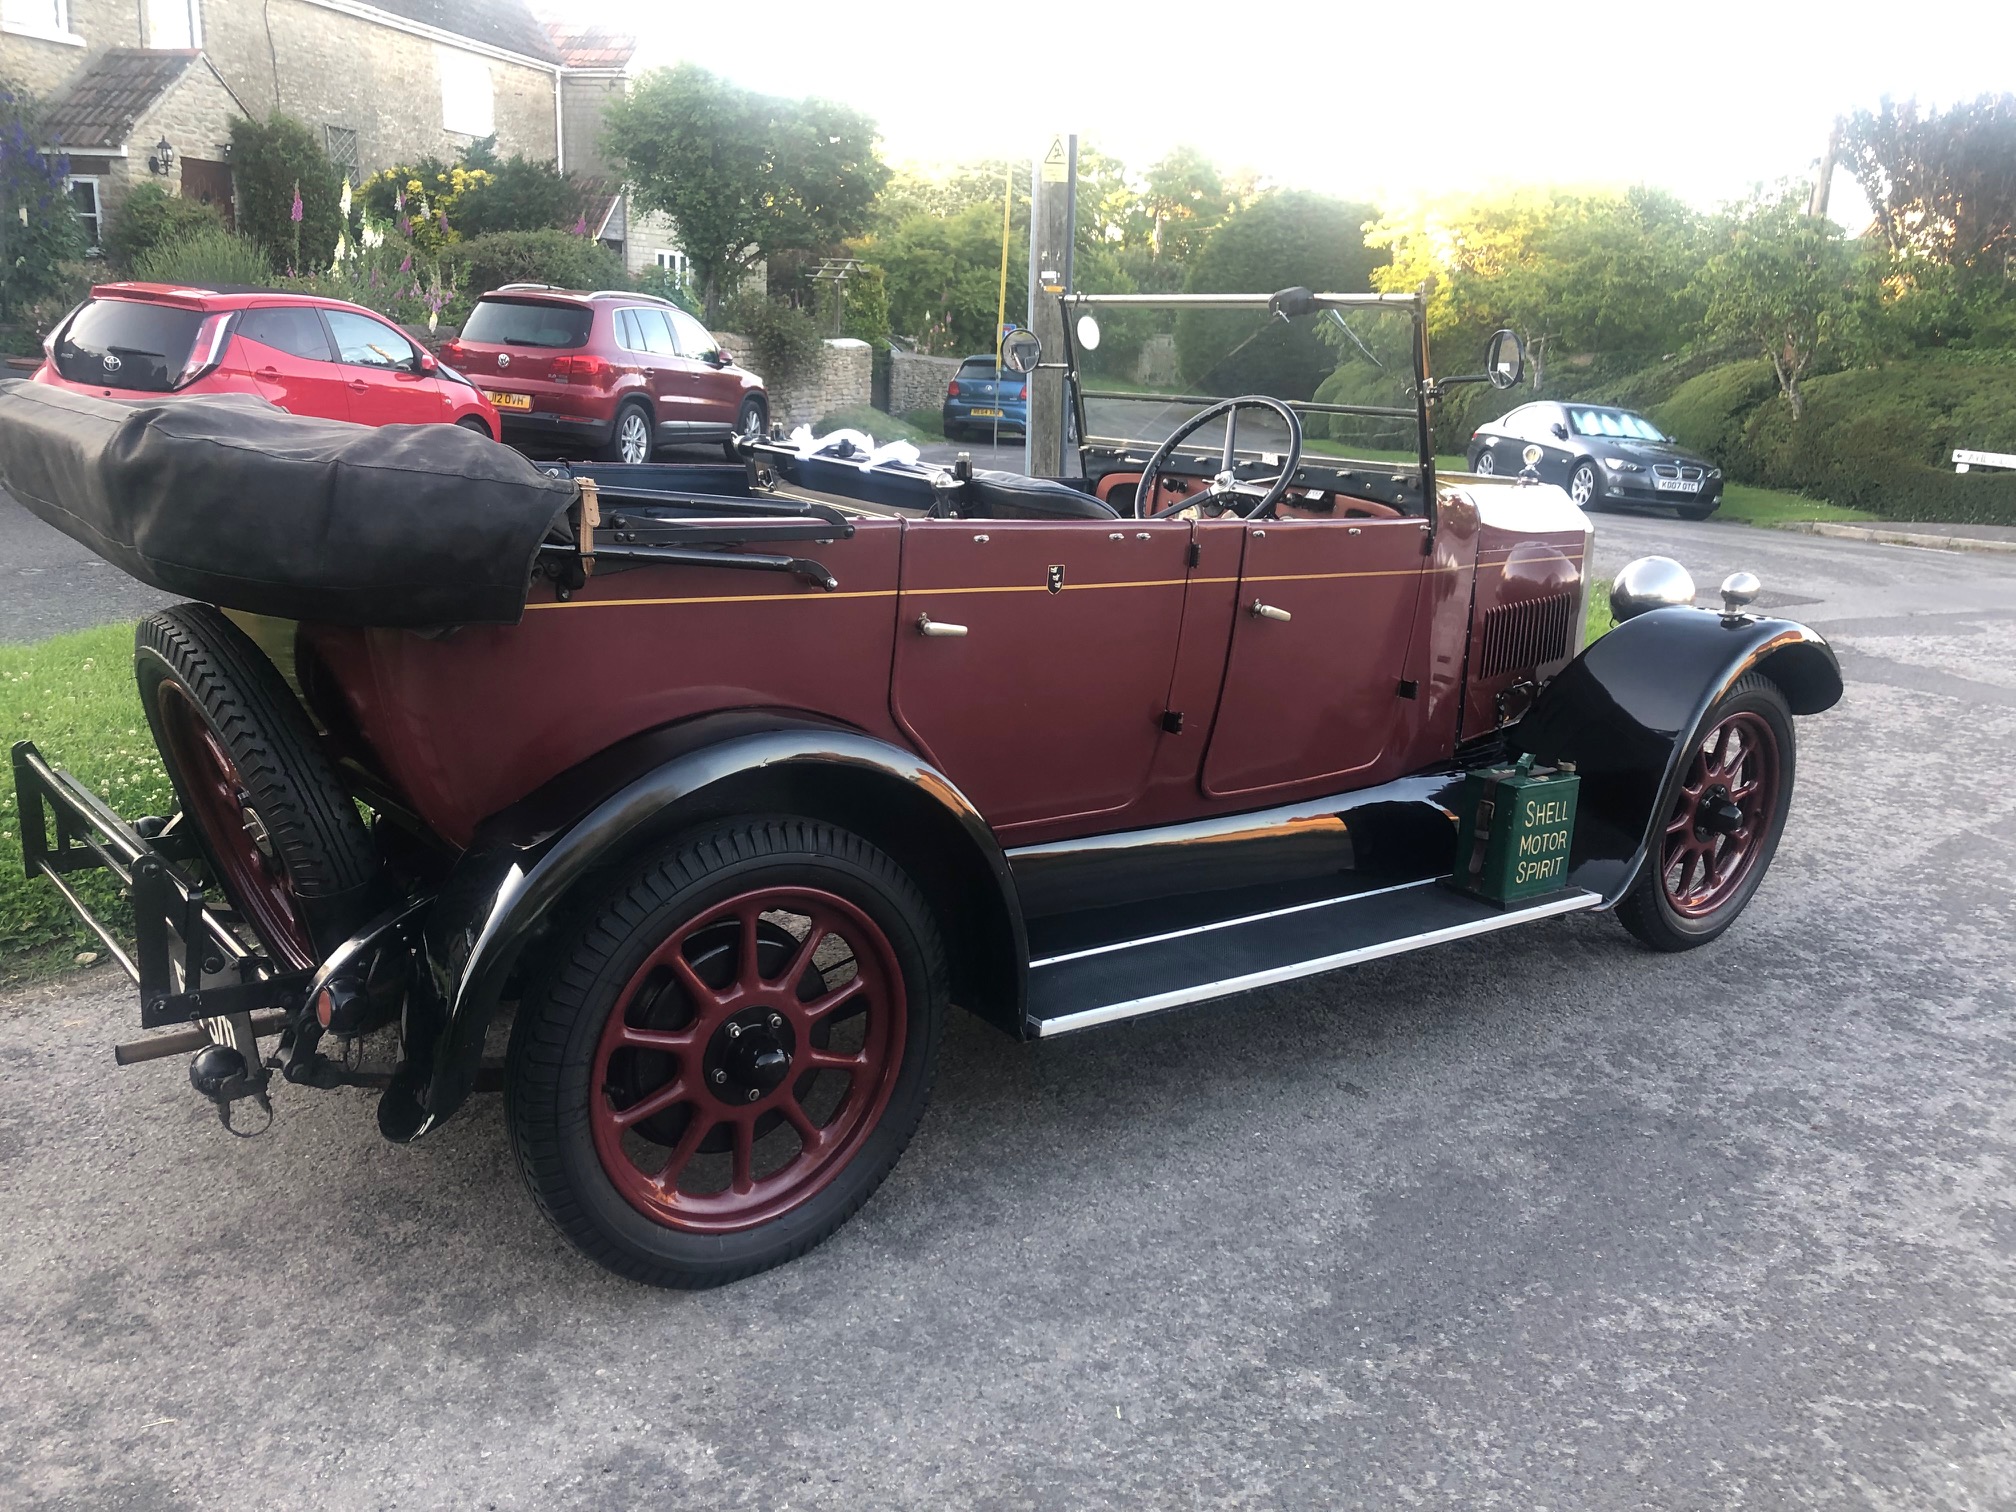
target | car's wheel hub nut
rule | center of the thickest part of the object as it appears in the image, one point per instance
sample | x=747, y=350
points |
x=1717, y=815
x=749, y=1056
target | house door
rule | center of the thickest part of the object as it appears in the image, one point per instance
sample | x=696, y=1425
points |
x=209, y=183
x=1041, y=694
x=1319, y=644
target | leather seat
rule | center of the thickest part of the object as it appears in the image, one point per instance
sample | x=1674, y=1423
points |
x=989, y=495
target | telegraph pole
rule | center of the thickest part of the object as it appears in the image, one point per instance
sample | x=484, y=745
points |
x=1050, y=226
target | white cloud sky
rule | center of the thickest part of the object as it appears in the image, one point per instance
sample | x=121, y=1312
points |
x=1386, y=102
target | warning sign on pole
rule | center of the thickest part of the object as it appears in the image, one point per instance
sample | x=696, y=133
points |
x=1056, y=165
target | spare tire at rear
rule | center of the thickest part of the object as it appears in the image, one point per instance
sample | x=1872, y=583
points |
x=276, y=825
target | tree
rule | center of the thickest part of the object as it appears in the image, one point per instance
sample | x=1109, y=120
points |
x=271, y=165
x=1942, y=183
x=1185, y=200
x=744, y=176
x=943, y=275
x=39, y=230
x=1784, y=285
x=1283, y=239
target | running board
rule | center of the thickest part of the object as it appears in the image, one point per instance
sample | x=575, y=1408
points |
x=1130, y=978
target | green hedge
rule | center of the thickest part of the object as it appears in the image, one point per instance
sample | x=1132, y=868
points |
x=553, y=257
x=1877, y=438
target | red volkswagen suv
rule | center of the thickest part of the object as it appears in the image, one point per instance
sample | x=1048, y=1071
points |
x=309, y=355
x=614, y=373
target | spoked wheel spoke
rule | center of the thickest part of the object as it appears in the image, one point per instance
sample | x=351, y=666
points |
x=650, y=1106
x=1725, y=802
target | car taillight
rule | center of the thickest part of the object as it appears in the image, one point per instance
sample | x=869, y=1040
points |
x=207, y=350
x=451, y=352
x=952, y=389
x=1023, y=392
x=585, y=369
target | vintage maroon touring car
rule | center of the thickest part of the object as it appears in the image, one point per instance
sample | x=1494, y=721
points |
x=720, y=783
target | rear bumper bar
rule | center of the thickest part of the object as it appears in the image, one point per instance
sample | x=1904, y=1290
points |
x=189, y=963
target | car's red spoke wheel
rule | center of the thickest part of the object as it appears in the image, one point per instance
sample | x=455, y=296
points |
x=728, y=1051
x=242, y=846
x=1724, y=809
x=747, y=1058
x=1713, y=840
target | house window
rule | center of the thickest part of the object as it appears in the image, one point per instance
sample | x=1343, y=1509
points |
x=84, y=199
x=38, y=18
x=173, y=23
x=467, y=105
x=673, y=262
x=341, y=142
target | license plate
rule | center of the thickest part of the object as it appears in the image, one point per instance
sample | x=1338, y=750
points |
x=986, y=414
x=1675, y=485
x=511, y=401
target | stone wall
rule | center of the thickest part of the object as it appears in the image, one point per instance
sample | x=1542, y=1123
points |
x=844, y=377
x=918, y=382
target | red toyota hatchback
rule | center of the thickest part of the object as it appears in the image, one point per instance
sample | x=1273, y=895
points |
x=308, y=355
x=611, y=373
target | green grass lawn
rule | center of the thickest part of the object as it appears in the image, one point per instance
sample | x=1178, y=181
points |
x=1745, y=505
x=74, y=697
x=1600, y=618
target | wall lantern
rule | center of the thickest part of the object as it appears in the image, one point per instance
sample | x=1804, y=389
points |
x=163, y=159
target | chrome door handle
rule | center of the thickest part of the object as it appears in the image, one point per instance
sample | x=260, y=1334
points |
x=928, y=626
x=1268, y=611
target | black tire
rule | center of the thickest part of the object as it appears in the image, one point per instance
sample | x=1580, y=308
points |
x=954, y=432
x=1486, y=465
x=553, y=1103
x=477, y=424
x=750, y=422
x=1647, y=910
x=197, y=671
x=622, y=438
x=1698, y=511
x=1586, y=475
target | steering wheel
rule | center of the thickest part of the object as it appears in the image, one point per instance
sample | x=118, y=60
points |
x=1227, y=490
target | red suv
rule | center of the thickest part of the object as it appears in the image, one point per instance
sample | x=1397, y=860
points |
x=308, y=355
x=616, y=373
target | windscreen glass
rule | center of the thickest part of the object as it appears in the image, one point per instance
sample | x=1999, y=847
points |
x=127, y=344
x=528, y=323
x=1619, y=423
x=1348, y=375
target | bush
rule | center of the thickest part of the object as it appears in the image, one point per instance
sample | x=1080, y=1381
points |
x=270, y=160
x=39, y=229
x=152, y=217
x=784, y=342
x=210, y=258
x=553, y=257
x=517, y=195
x=395, y=279
x=666, y=284
x=1711, y=412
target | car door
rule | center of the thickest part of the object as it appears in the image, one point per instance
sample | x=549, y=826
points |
x=660, y=357
x=717, y=394
x=286, y=352
x=381, y=369
x=1033, y=658
x=1319, y=645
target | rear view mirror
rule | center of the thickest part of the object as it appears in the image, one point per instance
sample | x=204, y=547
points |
x=1560, y=431
x=425, y=362
x=1021, y=351
x=1505, y=359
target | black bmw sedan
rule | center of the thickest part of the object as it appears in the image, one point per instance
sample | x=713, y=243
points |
x=1601, y=455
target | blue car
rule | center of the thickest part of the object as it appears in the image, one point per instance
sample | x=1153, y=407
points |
x=984, y=399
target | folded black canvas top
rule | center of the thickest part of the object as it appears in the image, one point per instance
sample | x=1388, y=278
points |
x=226, y=499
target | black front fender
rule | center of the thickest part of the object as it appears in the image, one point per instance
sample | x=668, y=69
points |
x=609, y=810
x=1625, y=712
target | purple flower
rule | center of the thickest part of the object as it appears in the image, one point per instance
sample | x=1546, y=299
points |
x=442, y=217
x=405, y=225
x=581, y=224
x=406, y=266
x=295, y=214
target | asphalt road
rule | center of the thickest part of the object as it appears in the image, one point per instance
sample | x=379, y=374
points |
x=1541, y=1220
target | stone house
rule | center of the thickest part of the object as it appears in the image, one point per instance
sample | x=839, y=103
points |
x=147, y=88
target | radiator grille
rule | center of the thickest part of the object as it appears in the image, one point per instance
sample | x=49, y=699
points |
x=1518, y=637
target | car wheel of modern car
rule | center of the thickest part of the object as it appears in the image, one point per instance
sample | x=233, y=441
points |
x=750, y=422
x=1585, y=485
x=477, y=424
x=730, y=1051
x=1721, y=825
x=954, y=432
x=279, y=831
x=1486, y=466
x=1698, y=511
x=630, y=440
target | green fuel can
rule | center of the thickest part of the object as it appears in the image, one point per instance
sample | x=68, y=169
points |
x=1515, y=826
